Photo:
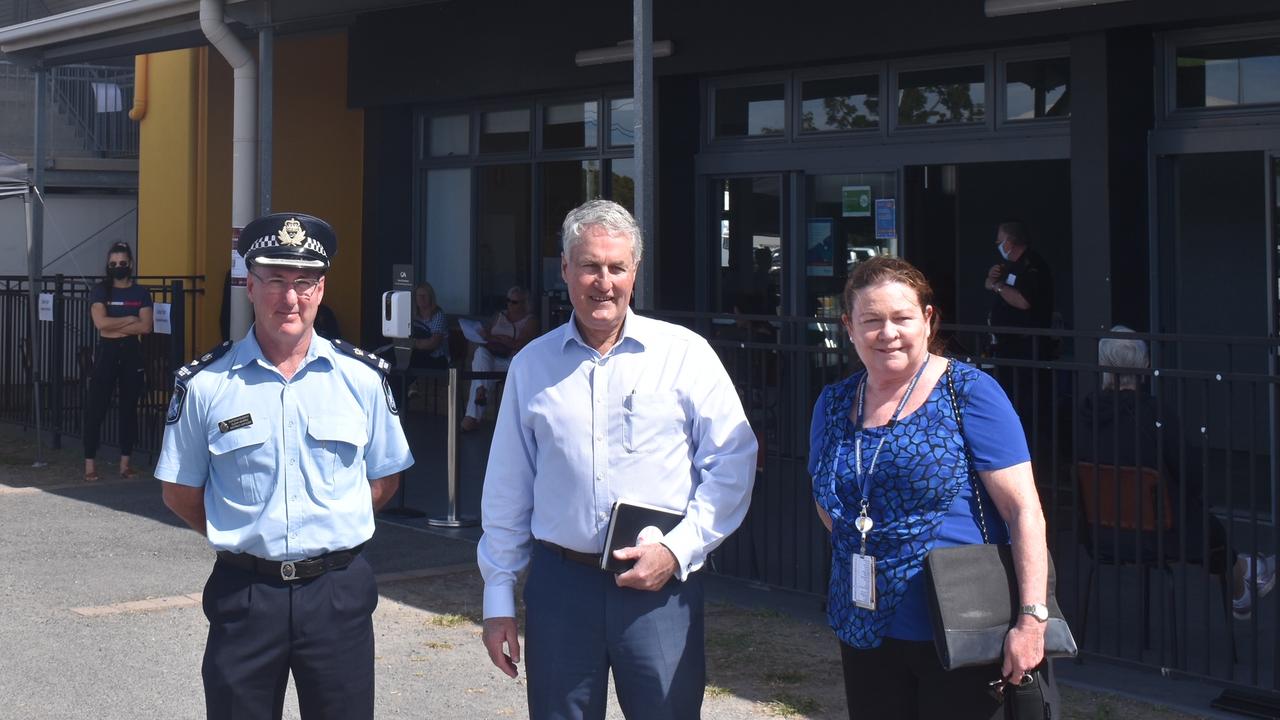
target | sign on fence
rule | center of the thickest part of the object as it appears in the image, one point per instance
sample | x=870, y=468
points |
x=46, y=307
x=160, y=319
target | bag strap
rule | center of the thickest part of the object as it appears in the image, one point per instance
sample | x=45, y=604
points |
x=968, y=451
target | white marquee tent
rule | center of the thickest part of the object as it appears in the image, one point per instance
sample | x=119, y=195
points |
x=13, y=183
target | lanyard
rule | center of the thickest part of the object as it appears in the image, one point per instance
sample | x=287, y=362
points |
x=863, y=522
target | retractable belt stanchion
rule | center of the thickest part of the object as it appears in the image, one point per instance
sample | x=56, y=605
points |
x=452, y=519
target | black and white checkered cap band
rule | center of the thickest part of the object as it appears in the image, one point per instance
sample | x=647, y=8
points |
x=270, y=241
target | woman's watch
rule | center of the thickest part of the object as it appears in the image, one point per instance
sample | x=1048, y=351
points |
x=1039, y=611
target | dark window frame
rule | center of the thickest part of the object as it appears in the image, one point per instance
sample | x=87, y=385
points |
x=1166, y=49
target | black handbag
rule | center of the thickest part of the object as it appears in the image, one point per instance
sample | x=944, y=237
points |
x=973, y=592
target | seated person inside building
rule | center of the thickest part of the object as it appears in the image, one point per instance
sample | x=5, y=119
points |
x=509, y=331
x=429, y=335
x=1118, y=427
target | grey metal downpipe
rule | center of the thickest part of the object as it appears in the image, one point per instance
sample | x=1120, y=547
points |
x=244, y=145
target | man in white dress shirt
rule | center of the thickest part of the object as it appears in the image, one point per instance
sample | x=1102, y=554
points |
x=610, y=406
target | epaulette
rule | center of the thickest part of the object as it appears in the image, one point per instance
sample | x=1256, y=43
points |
x=375, y=362
x=369, y=358
x=184, y=374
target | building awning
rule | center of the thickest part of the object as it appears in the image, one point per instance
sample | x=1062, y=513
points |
x=131, y=27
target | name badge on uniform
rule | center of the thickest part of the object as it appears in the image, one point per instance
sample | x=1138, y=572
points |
x=864, y=581
x=236, y=423
x=1011, y=280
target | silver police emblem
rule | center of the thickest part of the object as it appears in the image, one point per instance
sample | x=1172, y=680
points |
x=292, y=233
x=175, y=403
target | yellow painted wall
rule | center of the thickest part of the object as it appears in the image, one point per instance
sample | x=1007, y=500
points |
x=318, y=163
x=184, y=204
x=166, y=167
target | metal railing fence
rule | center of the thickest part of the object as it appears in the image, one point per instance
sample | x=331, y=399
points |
x=64, y=352
x=1205, y=423
x=88, y=114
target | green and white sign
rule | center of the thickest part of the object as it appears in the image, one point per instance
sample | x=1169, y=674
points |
x=856, y=200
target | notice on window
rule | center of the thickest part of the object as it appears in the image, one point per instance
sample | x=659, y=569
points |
x=45, y=307
x=886, y=219
x=820, y=248
x=160, y=322
x=856, y=200
x=239, y=270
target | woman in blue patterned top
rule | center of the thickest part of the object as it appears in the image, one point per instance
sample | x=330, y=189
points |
x=891, y=483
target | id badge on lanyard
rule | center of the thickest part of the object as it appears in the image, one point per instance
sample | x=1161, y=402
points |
x=864, y=581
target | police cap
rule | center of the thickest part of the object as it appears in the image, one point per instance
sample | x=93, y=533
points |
x=294, y=240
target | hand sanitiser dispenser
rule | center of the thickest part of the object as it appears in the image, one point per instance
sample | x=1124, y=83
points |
x=397, y=318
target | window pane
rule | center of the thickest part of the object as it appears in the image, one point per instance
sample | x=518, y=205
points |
x=622, y=122
x=575, y=125
x=565, y=186
x=448, y=251
x=1229, y=74
x=503, y=216
x=942, y=96
x=840, y=104
x=1038, y=89
x=750, y=111
x=849, y=218
x=450, y=135
x=750, y=246
x=504, y=131
x=622, y=189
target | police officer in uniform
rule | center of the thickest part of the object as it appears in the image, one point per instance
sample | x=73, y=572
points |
x=279, y=449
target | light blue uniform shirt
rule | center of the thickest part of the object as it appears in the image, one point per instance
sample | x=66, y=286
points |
x=654, y=420
x=294, y=483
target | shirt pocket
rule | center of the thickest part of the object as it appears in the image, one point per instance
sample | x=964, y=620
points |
x=648, y=418
x=336, y=445
x=243, y=462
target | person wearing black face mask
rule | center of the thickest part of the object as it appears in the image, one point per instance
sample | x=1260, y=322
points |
x=121, y=311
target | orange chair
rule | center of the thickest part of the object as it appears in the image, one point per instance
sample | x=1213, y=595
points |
x=1130, y=500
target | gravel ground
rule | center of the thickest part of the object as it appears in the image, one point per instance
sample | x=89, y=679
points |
x=72, y=554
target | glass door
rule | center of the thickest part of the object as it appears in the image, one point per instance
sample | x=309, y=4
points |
x=749, y=258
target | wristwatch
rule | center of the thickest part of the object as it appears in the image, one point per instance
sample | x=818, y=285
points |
x=1037, y=610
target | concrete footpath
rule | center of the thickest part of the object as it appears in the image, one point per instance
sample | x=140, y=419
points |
x=100, y=616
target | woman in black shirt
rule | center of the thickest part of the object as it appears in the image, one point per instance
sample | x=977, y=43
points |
x=121, y=312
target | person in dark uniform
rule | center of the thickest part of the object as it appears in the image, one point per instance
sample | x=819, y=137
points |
x=121, y=311
x=1022, y=288
x=279, y=449
x=1022, y=297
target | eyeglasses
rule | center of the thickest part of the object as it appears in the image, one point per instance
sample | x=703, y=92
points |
x=279, y=286
x=124, y=264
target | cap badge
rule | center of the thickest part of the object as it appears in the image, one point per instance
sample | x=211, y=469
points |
x=292, y=233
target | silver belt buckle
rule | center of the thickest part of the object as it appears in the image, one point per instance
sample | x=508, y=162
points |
x=287, y=571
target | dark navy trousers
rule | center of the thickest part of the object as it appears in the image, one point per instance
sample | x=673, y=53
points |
x=580, y=624
x=262, y=628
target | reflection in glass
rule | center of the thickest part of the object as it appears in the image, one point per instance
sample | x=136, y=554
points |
x=502, y=233
x=1038, y=89
x=835, y=104
x=450, y=135
x=750, y=246
x=1229, y=74
x=622, y=182
x=573, y=125
x=756, y=111
x=504, y=131
x=942, y=96
x=840, y=234
x=622, y=122
x=565, y=186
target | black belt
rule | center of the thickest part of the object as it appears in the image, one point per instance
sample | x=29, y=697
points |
x=588, y=559
x=291, y=569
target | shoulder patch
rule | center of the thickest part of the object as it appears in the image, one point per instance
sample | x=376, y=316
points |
x=184, y=374
x=368, y=358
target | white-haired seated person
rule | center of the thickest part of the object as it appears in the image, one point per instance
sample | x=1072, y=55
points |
x=1118, y=427
x=510, y=330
